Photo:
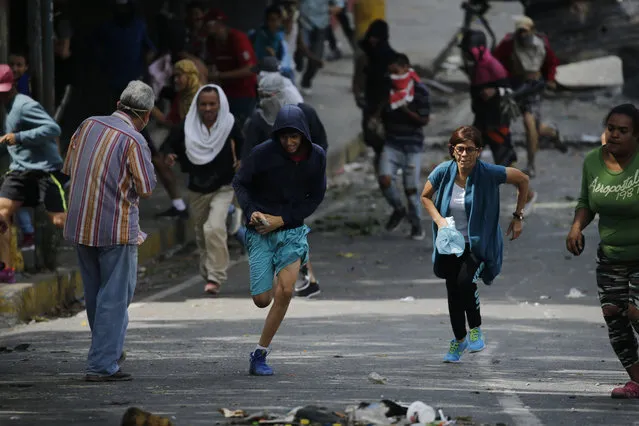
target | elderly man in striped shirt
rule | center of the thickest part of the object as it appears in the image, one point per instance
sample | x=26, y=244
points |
x=110, y=167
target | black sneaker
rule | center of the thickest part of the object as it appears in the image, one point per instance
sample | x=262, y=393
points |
x=173, y=212
x=395, y=219
x=417, y=233
x=309, y=291
x=118, y=376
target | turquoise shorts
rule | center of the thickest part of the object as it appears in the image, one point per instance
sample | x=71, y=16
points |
x=269, y=254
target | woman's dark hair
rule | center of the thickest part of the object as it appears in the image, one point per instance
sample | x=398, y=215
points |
x=274, y=9
x=465, y=134
x=629, y=110
x=401, y=59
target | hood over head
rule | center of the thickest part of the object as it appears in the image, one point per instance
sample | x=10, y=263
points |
x=486, y=68
x=291, y=117
x=474, y=43
x=378, y=29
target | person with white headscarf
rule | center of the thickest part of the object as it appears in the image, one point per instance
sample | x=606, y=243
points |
x=207, y=150
x=275, y=91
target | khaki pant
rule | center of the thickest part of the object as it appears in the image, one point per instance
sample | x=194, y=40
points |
x=209, y=214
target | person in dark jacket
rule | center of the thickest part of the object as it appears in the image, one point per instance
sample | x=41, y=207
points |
x=206, y=147
x=275, y=91
x=371, y=83
x=279, y=185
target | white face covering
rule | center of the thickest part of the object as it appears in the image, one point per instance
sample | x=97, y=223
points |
x=203, y=144
x=277, y=91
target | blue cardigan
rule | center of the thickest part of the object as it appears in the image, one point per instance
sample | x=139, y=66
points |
x=482, y=208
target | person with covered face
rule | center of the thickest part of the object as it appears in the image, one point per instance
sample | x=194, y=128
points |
x=529, y=60
x=279, y=185
x=609, y=188
x=490, y=93
x=467, y=190
x=208, y=149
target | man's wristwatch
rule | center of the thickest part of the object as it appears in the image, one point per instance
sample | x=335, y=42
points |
x=518, y=216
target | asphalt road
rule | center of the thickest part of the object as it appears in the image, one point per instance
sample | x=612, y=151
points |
x=548, y=359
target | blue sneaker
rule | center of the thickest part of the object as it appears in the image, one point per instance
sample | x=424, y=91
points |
x=259, y=367
x=456, y=350
x=477, y=343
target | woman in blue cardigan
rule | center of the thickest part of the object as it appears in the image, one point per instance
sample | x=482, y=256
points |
x=468, y=191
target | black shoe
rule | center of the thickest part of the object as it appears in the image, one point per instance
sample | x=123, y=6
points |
x=395, y=219
x=173, y=212
x=118, y=376
x=309, y=291
x=417, y=233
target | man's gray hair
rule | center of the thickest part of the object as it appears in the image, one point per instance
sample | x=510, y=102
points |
x=137, y=96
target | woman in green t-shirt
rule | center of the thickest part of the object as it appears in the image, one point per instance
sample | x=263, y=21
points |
x=610, y=188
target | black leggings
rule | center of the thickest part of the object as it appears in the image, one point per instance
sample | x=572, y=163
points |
x=463, y=296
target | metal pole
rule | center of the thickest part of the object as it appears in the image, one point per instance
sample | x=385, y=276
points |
x=35, y=46
x=4, y=31
x=48, y=60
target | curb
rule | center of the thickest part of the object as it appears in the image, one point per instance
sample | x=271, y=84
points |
x=23, y=302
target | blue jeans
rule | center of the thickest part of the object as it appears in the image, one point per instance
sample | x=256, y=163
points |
x=23, y=217
x=109, y=276
x=393, y=159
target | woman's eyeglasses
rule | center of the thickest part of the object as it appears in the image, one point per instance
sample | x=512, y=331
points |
x=469, y=149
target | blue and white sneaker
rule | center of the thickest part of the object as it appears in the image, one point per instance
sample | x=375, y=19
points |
x=456, y=350
x=476, y=343
x=258, y=366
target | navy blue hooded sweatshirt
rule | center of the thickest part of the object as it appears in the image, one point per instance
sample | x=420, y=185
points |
x=270, y=181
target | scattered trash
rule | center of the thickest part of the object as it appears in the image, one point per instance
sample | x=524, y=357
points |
x=232, y=414
x=407, y=299
x=590, y=138
x=420, y=413
x=135, y=416
x=22, y=347
x=575, y=293
x=377, y=379
x=544, y=297
x=347, y=255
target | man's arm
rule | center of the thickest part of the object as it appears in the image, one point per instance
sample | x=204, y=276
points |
x=503, y=51
x=551, y=62
x=141, y=168
x=72, y=151
x=45, y=126
x=421, y=103
x=315, y=197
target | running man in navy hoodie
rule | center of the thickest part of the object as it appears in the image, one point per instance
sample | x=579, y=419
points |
x=279, y=185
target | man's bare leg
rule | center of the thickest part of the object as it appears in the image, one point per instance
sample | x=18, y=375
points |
x=7, y=210
x=282, y=295
x=532, y=141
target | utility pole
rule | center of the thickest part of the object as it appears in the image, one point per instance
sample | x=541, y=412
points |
x=47, y=97
x=34, y=15
x=4, y=31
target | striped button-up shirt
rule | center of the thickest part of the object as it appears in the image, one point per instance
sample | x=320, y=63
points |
x=109, y=163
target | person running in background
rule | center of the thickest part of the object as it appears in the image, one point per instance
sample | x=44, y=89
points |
x=207, y=148
x=268, y=39
x=275, y=91
x=529, y=60
x=279, y=185
x=371, y=84
x=406, y=114
x=468, y=191
x=341, y=14
x=609, y=189
x=19, y=63
x=231, y=58
x=34, y=175
x=489, y=87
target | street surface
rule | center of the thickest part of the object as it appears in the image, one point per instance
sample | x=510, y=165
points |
x=548, y=359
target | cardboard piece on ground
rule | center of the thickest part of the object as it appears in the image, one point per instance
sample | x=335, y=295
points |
x=599, y=72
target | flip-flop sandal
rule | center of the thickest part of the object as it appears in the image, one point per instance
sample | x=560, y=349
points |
x=212, y=288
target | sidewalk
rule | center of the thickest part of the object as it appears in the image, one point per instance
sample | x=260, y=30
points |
x=45, y=293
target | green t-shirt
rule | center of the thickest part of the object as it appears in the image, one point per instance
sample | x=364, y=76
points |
x=615, y=197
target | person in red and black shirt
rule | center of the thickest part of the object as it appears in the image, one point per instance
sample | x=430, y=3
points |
x=529, y=60
x=231, y=58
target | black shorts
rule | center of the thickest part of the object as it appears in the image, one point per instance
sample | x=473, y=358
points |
x=33, y=188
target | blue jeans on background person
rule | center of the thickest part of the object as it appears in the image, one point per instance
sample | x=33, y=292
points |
x=23, y=218
x=109, y=276
x=393, y=159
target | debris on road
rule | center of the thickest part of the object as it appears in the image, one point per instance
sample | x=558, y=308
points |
x=407, y=299
x=377, y=378
x=135, y=416
x=575, y=293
